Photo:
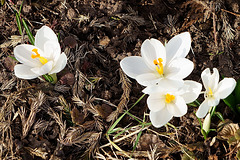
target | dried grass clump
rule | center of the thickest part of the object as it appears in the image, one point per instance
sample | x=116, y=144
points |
x=124, y=98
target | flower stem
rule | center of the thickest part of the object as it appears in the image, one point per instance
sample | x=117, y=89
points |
x=52, y=78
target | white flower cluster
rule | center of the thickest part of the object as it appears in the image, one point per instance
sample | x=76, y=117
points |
x=161, y=69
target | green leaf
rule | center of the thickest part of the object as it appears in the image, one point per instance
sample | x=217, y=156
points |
x=138, y=137
x=237, y=92
x=110, y=130
x=13, y=58
x=2, y=2
x=204, y=133
x=231, y=103
x=48, y=78
x=29, y=33
x=219, y=115
x=19, y=12
x=19, y=24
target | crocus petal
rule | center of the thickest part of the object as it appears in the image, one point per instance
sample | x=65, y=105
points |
x=52, y=50
x=46, y=68
x=134, y=66
x=160, y=118
x=213, y=101
x=147, y=79
x=178, y=46
x=178, y=108
x=24, y=72
x=164, y=84
x=23, y=54
x=225, y=87
x=210, y=80
x=153, y=49
x=43, y=35
x=59, y=64
x=179, y=68
x=203, y=109
x=191, y=91
x=156, y=102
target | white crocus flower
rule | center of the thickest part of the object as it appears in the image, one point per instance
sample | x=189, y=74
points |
x=165, y=66
x=214, y=90
x=42, y=58
x=164, y=104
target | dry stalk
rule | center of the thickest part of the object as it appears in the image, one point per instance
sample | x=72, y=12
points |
x=37, y=152
x=28, y=122
x=126, y=84
x=202, y=11
x=59, y=121
x=79, y=84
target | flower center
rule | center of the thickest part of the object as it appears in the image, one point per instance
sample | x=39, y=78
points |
x=159, y=65
x=210, y=93
x=41, y=59
x=169, y=98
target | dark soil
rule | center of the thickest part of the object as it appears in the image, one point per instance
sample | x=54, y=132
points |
x=70, y=120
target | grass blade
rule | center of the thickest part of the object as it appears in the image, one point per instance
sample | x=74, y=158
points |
x=19, y=23
x=110, y=130
x=29, y=33
x=19, y=12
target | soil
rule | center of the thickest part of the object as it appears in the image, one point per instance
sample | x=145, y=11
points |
x=71, y=119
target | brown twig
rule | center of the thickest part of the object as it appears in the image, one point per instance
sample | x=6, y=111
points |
x=235, y=14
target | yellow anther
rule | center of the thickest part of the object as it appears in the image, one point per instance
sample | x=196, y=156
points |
x=41, y=59
x=160, y=60
x=169, y=98
x=210, y=93
x=159, y=65
x=35, y=50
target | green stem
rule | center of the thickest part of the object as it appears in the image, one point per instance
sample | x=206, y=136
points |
x=212, y=111
x=54, y=77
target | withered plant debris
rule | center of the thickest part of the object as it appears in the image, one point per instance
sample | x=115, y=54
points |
x=70, y=120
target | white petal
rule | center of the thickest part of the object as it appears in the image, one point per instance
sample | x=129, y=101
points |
x=203, y=109
x=59, y=64
x=213, y=101
x=177, y=108
x=52, y=50
x=153, y=49
x=179, y=68
x=148, y=79
x=46, y=68
x=43, y=35
x=134, y=66
x=160, y=118
x=164, y=84
x=156, y=102
x=23, y=54
x=210, y=80
x=225, y=87
x=192, y=90
x=178, y=46
x=24, y=72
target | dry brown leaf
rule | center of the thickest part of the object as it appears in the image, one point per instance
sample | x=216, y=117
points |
x=70, y=41
x=76, y=116
x=9, y=63
x=104, y=41
x=226, y=130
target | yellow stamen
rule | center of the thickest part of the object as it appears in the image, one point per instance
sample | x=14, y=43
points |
x=169, y=98
x=210, y=93
x=41, y=59
x=159, y=65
